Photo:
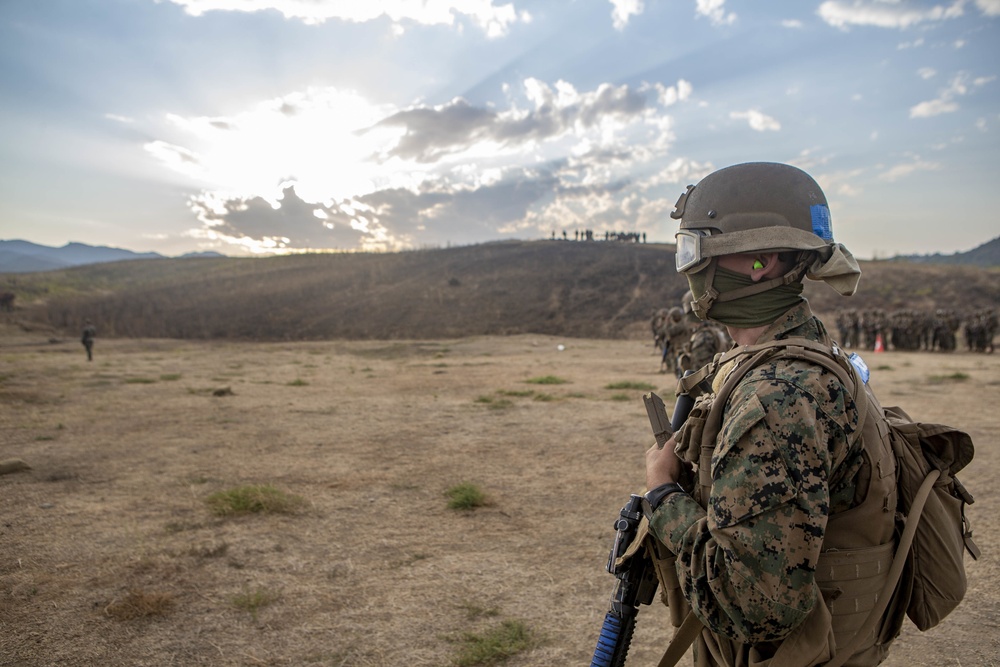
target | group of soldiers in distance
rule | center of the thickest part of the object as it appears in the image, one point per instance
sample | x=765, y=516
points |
x=916, y=330
x=685, y=342
x=588, y=235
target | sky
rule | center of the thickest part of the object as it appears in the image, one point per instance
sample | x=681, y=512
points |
x=252, y=127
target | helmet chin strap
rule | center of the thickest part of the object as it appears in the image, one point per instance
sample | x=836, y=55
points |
x=702, y=304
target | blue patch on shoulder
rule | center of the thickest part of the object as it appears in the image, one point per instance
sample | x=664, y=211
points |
x=822, y=227
x=860, y=365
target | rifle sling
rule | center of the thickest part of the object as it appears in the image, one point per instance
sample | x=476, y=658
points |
x=683, y=638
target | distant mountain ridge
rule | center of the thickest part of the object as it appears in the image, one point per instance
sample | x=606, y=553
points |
x=987, y=254
x=18, y=256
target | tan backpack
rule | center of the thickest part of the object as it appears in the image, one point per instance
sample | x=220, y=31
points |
x=932, y=531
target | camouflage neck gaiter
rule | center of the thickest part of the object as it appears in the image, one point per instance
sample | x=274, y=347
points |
x=747, y=312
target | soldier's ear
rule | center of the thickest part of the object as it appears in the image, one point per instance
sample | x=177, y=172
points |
x=763, y=266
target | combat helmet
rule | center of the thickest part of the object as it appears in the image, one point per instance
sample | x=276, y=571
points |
x=754, y=207
x=748, y=208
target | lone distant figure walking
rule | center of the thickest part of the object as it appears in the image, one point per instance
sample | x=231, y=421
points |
x=89, y=333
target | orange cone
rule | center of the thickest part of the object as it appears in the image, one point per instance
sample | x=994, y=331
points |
x=879, y=345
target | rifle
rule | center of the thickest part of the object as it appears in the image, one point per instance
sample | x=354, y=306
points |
x=636, y=577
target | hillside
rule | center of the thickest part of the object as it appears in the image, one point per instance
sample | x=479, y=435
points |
x=986, y=255
x=578, y=289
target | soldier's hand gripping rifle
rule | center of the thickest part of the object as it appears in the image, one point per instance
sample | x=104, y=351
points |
x=636, y=576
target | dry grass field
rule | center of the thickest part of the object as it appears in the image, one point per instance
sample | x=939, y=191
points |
x=115, y=549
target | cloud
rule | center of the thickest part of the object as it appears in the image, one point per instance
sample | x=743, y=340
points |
x=989, y=7
x=757, y=120
x=792, y=24
x=715, y=11
x=933, y=108
x=494, y=20
x=623, y=10
x=429, y=134
x=945, y=101
x=926, y=72
x=324, y=168
x=842, y=183
x=903, y=170
x=290, y=224
x=898, y=14
x=670, y=95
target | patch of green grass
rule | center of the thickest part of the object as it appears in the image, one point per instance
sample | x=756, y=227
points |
x=883, y=367
x=465, y=496
x=494, y=403
x=253, y=601
x=139, y=381
x=640, y=386
x=170, y=377
x=953, y=377
x=494, y=645
x=621, y=397
x=298, y=382
x=515, y=393
x=546, y=379
x=253, y=499
x=544, y=398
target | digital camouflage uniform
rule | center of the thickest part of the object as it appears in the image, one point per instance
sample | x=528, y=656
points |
x=747, y=554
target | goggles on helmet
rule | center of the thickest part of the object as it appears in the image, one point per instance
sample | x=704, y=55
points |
x=688, y=257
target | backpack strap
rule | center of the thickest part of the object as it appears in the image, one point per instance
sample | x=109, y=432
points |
x=830, y=358
x=682, y=640
x=895, y=570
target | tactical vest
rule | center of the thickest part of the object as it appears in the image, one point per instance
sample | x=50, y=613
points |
x=859, y=542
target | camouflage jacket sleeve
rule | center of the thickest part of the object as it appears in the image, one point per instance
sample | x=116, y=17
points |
x=747, y=564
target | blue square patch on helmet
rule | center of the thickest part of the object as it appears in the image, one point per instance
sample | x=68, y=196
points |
x=822, y=227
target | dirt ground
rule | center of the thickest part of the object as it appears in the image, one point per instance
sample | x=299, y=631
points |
x=375, y=569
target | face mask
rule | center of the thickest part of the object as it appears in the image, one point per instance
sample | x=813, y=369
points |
x=750, y=311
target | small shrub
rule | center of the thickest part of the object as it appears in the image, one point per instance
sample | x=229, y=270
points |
x=516, y=394
x=253, y=499
x=465, y=496
x=620, y=397
x=544, y=398
x=139, y=381
x=494, y=645
x=953, y=377
x=138, y=603
x=170, y=377
x=883, y=367
x=641, y=386
x=253, y=601
x=494, y=404
x=546, y=379
x=298, y=382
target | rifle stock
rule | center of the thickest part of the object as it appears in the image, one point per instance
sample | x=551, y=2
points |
x=636, y=576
